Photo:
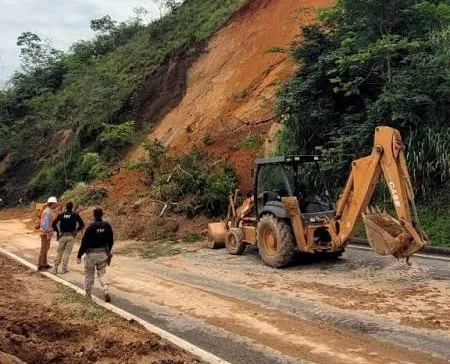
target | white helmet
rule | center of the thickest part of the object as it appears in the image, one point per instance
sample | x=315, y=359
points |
x=52, y=200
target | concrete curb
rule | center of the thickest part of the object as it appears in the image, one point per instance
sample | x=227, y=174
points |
x=432, y=250
x=188, y=347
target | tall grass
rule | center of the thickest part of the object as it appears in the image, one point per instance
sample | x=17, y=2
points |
x=428, y=159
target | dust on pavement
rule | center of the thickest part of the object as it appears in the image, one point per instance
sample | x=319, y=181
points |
x=381, y=286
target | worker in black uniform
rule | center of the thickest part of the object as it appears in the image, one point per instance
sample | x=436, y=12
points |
x=66, y=225
x=97, y=244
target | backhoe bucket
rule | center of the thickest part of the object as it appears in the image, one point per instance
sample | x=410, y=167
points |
x=388, y=237
x=216, y=235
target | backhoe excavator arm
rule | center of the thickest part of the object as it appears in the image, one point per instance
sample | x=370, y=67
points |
x=387, y=158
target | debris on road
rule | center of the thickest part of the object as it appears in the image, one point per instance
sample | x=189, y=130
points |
x=42, y=323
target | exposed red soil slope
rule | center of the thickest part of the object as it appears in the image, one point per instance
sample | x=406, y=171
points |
x=231, y=87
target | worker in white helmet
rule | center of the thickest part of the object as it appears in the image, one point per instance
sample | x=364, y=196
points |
x=46, y=231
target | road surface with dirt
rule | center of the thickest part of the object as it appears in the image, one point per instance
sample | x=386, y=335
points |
x=43, y=322
x=361, y=309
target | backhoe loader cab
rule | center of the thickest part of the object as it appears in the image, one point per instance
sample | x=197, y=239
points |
x=284, y=176
x=287, y=206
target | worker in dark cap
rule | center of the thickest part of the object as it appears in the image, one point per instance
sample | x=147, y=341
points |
x=97, y=244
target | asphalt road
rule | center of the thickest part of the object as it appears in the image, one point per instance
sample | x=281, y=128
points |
x=233, y=348
x=245, y=312
x=239, y=349
x=438, y=266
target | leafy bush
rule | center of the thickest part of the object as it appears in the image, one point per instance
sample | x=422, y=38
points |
x=114, y=137
x=85, y=195
x=156, y=152
x=251, y=142
x=219, y=185
x=134, y=165
x=50, y=181
x=91, y=167
x=188, y=183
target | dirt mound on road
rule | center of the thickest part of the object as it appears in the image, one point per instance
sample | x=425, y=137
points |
x=124, y=185
x=42, y=323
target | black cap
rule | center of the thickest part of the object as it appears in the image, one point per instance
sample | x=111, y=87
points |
x=69, y=206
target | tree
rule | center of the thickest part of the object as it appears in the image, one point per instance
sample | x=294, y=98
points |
x=166, y=5
x=103, y=25
x=366, y=63
x=140, y=14
x=109, y=35
x=35, y=52
x=172, y=5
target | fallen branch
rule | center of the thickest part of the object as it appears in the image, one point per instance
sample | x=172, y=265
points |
x=163, y=210
x=217, y=161
x=182, y=170
x=250, y=123
x=158, y=201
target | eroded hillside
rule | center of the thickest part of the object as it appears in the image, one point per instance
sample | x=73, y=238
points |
x=231, y=87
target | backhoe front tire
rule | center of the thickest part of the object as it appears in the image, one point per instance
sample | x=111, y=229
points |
x=276, y=242
x=233, y=241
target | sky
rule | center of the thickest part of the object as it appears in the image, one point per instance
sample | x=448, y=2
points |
x=61, y=21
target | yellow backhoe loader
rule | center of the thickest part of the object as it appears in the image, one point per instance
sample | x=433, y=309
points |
x=285, y=215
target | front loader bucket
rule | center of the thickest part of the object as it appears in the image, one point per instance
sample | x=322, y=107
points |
x=388, y=237
x=216, y=235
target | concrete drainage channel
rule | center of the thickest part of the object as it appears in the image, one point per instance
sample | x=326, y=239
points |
x=188, y=347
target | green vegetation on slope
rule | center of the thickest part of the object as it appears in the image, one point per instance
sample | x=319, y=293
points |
x=191, y=183
x=66, y=116
x=373, y=62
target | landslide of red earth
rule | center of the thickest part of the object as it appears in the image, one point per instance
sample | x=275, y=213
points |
x=123, y=185
x=230, y=89
x=228, y=95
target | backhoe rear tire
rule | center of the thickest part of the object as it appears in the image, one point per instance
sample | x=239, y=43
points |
x=276, y=242
x=233, y=241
